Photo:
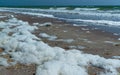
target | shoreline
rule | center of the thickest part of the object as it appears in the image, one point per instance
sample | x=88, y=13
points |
x=83, y=38
x=65, y=30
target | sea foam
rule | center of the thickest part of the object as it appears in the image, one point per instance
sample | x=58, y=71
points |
x=25, y=48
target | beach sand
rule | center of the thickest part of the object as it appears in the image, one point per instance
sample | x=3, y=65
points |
x=83, y=38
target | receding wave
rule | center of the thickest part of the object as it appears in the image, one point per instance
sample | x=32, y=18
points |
x=98, y=22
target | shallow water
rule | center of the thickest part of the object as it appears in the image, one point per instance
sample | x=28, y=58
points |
x=107, y=19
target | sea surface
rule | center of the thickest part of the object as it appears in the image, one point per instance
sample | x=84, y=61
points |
x=105, y=18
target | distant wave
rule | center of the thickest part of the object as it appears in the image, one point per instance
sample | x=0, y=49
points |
x=79, y=11
x=21, y=10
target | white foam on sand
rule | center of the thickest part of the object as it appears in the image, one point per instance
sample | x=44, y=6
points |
x=38, y=14
x=49, y=37
x=26, y=48
x=87, y=41
x=116, y=57
x=44, y=24
x=85, y=29
x=66, y=40
x=118, y=38
x=78, y=47
x=3, y=62
x=2, y=16
x=111, y=42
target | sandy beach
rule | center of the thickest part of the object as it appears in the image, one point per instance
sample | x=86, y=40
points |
x=67, y=36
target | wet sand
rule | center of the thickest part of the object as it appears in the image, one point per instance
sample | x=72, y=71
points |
x=95, y=42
